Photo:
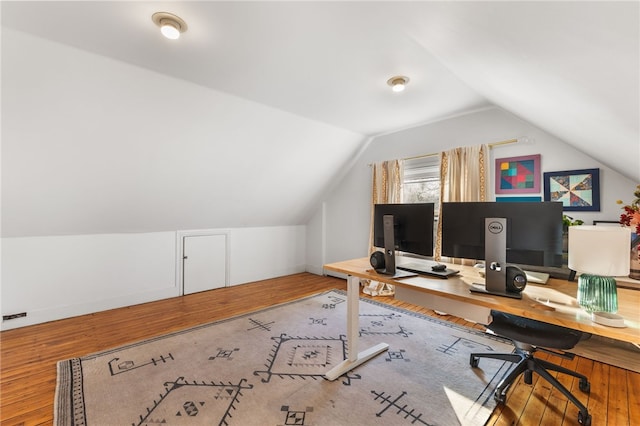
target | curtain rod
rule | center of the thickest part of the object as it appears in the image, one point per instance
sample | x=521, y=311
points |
x=490, y=145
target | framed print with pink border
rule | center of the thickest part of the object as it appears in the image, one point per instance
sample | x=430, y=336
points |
x=518, y=175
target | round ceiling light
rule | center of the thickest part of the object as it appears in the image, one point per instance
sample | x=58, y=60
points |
x=398, y=83
x=171, y=26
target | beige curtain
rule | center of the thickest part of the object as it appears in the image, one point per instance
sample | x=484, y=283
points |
x=386, y=188
x=463, y=177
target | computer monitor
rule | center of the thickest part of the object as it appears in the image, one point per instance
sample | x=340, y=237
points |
x=528, y=233
x=409, y=229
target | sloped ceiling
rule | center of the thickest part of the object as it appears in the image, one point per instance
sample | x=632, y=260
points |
x=571, y=68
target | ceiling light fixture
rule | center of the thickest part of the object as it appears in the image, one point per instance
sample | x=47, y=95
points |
x=398, y=83
x=171, y=26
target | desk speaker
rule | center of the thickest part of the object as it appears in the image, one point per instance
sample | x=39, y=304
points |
x=377, y=260
x=516, y=279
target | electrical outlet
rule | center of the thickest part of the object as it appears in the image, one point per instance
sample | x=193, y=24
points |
x=14, y=316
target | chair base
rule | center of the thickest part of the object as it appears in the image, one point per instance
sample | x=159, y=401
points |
x=526, y=364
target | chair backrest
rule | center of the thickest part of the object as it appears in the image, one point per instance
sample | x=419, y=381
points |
x=533, y=332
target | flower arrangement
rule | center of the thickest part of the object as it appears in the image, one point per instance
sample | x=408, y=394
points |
x=631, y=214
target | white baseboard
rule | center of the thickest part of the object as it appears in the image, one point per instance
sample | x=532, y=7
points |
x=62, y=312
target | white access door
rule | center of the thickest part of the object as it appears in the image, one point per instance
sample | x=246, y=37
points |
x=204, y=262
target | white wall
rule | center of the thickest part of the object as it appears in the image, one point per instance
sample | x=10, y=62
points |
x=61, y=276
x=262, y=253
x=57, y=277
x=316, y=231
x=102, y=162
x=92, y=145
x=347, y=205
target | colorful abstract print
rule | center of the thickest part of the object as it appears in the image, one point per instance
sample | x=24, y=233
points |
x=517, y=174
x=572, y=190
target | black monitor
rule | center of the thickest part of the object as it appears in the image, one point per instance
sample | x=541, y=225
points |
x=410, y=226
x=533, y=233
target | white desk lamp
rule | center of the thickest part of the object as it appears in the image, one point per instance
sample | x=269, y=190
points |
x=599, y=253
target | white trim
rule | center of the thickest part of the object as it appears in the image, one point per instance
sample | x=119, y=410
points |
x=180, y=253
x=435, y=120
x=324, y=233
x=54, y=313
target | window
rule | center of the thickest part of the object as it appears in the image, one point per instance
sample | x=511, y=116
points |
x=421, y=181
x=421, y=184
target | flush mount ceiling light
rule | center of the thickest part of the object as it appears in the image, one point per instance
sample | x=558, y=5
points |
x=398, y=83
x=171, y=26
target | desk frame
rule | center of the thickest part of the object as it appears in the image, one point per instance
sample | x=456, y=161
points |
x=354, y=357
x=457, y=289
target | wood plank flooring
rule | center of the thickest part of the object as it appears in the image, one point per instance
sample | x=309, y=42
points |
x=28, y=355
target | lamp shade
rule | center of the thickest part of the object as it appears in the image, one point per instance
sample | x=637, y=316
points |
x=599, y=250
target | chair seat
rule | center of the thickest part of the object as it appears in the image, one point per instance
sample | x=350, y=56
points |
x=533, y=332
x=528, y=335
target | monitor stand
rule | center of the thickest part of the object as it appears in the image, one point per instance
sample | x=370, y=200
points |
x=390, y=251
x=495, y=255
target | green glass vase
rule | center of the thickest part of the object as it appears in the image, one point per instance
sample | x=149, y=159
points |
x=597, y=294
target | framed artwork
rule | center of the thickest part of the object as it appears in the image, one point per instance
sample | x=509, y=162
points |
x=518, y=175
x=578, y=190
x=518, y=199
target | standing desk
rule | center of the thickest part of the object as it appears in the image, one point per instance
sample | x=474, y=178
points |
x=553, y=303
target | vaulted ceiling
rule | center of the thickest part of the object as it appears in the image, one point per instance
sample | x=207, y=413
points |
x=570, y=68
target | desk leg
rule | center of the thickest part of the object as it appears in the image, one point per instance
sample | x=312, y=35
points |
x=354, y=358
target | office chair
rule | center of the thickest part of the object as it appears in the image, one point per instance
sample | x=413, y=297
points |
x=529, y=336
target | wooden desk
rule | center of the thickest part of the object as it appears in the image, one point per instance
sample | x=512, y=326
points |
x=554, y=303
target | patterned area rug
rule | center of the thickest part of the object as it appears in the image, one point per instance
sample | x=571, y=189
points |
x=267, y=367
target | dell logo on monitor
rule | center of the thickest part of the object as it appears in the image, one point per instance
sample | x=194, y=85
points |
x=495, y=227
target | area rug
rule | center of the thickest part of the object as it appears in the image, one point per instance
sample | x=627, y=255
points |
x=267, y=367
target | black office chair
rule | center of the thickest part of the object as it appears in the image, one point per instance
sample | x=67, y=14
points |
x=529, y=336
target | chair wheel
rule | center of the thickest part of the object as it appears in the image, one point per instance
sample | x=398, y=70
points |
x=499, y=397
x=584, y=420
x=474, y=361
x=584, y=386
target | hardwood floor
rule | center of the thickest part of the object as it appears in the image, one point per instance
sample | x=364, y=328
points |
x=28, y=355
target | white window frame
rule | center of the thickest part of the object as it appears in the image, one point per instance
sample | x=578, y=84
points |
x=423, y=169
